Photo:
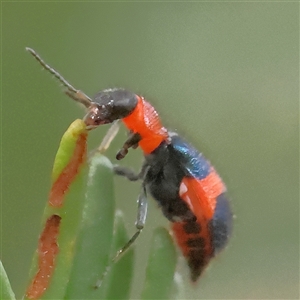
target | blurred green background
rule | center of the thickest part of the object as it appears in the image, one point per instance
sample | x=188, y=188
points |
x=224, y=75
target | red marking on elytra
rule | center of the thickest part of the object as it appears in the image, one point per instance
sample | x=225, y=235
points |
x=197, y=256
x=200, y=195
x=47, y=252
x=181, y=236
x=65, y=178
x=145, y=121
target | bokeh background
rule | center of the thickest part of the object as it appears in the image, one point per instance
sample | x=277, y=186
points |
x=224, y=75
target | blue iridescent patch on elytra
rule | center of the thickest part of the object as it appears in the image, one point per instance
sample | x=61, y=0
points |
x=221, y=223
x=193, y=161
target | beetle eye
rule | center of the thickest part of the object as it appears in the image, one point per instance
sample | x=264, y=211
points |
x=92, y=118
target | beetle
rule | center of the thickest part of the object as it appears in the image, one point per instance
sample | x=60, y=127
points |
x=185, y=185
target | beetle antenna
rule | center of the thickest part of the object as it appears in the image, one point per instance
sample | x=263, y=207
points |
x=73, y=93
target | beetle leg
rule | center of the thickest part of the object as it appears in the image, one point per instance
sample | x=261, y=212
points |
x=129, y=173
x=139, y=224
x=131, y=142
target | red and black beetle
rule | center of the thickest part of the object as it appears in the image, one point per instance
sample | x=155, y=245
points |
x=187, y=188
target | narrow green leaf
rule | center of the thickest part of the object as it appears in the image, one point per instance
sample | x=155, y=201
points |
x=6, y=292
x=79, y=229
x=66, y=147
x=63, y=219
x=161, y=267
x=71, y=217
x=96, y=232
x=119, y=279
